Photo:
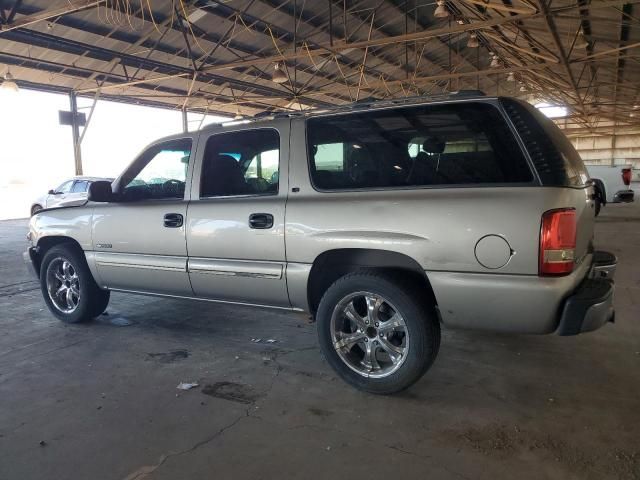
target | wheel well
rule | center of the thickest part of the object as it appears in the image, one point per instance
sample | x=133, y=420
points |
x=46, y=243
x=330, y=266
x=34, y=206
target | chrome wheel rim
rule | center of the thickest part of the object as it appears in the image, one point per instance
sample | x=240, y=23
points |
x=369, y=334
x=63, y=285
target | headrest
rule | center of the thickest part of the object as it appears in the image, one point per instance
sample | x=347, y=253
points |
x=433, y=145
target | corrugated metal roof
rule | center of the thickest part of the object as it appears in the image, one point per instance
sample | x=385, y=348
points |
x=219, y=55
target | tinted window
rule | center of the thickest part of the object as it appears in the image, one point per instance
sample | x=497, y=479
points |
x=80, y=186
x=555, y=159
x=159, y=173
x=241, y=163
x=416, y=146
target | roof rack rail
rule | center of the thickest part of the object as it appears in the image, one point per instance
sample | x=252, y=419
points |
x=368, y=102
x=361, y=105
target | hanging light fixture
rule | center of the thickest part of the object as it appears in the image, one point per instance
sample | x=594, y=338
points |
x=441, y=10
x=238, y=115
x=9, y=83
x=495, y=61
x=523, y=88
x=278, y=74
x=581, y=41
x=511, y=77
x=473, y=41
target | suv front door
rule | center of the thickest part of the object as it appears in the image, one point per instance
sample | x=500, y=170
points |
x=139, y=240
x=235, y=225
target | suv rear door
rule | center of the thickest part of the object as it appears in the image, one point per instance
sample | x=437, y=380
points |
x=235, y=221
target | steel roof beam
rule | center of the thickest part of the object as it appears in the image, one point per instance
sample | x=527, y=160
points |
x=73, y=47
x=79, y=72
x=45, y=14
x=131, y=39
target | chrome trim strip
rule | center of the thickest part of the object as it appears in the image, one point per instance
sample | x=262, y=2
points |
x=142, y=267
x=228, y=302
x=235, y=268
x=141, y=261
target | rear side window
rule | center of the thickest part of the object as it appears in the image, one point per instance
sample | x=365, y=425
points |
x=241, y=163
x=555, y=159
x=456, y=144
x=80, y=186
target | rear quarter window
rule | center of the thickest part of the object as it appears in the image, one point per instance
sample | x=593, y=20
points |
x=553, y=155
x=426, y=145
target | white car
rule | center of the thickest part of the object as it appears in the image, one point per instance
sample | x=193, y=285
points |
x=613, y=184
x=71, y=192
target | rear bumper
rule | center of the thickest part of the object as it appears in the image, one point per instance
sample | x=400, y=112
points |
x=623, y=196
x=527, y=303
x=591, y=305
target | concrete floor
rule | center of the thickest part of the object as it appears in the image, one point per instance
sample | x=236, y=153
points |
x=99, y=401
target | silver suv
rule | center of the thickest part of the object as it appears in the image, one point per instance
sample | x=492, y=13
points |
x=383, y=220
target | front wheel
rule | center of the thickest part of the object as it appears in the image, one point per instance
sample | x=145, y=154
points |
x=68, y=287
x=376, y=332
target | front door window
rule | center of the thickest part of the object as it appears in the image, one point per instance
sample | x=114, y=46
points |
x=160, y=173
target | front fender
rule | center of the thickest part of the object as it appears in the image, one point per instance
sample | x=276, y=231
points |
x=73, y=223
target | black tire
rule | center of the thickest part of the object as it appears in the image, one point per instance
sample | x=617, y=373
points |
x=421, y=324
x=598, y=206
x=35, y=209
x=91, y=300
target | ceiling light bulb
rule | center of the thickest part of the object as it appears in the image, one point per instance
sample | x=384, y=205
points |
x=581, y=41
x=473, y=41
x=495, y=62
x=523, y=88
x=441, y=10
x=278, y=75
x=511, y=77
x=9, y=84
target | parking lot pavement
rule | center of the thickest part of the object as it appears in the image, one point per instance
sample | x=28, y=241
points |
x=99, y=400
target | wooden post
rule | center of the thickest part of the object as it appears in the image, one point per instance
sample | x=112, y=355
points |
x=75, y=132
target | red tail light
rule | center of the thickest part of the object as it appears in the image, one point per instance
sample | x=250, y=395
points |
x=626, y=176
x=557, y=242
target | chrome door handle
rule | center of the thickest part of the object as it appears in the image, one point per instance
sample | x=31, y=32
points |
x=260, y=220
x=173, y=220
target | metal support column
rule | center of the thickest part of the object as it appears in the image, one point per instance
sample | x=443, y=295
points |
x=185, y=121
x=75, y=131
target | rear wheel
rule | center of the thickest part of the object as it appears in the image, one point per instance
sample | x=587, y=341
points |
x=68, y=287
x=376, y=332
x=35, y=209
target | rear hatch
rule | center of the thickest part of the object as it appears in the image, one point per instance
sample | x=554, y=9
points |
x=558, y=165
